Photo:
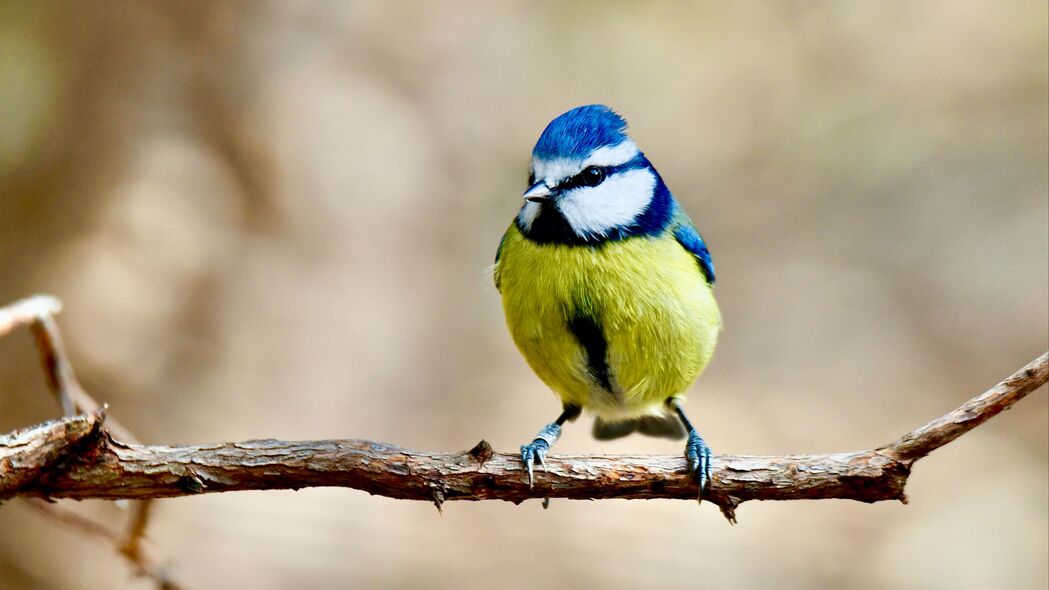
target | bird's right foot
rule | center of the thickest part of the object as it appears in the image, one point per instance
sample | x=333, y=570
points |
x=698, y=455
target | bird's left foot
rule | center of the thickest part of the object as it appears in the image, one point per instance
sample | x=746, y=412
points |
x=538, y=448
x=698, y=455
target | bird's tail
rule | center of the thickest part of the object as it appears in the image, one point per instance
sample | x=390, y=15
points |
x=664, y=426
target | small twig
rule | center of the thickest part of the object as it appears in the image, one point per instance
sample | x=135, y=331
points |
x=131, y=546
x=24, y=311
x=37, y=312
x=81, y=523
x=926, y=439
x=61, y=378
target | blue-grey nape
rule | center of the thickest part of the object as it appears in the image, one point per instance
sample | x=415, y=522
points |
x=579, y=132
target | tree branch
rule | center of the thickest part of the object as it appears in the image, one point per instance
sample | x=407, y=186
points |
x=112, y=469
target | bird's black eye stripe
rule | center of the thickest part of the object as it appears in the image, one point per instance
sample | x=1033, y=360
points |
x=589, y=176
x=531, y=177
x=594, y=175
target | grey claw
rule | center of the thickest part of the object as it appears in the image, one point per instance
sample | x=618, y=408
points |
x=526, y=458
x=529, y=453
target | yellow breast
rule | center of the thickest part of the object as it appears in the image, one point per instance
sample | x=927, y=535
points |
x=655, y=309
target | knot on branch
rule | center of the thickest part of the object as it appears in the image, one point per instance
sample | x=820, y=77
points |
x=482, y=451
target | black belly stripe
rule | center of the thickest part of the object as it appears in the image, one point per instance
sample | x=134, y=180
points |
x=593, y=341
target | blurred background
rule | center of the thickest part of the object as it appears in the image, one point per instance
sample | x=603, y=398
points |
x=276, y=219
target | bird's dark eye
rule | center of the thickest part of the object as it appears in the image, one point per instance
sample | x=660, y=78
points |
x=591, y=176
x=531, y=178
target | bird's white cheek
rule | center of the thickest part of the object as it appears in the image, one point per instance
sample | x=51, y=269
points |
x=616, y=202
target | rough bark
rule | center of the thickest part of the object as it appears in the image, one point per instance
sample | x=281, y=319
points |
x=77, y=458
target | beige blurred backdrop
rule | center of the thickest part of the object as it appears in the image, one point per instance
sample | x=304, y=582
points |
x=276, y=219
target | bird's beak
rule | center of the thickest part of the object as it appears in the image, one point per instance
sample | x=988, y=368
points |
x=538, y=193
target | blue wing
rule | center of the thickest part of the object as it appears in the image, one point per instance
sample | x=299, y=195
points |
x=687, y=235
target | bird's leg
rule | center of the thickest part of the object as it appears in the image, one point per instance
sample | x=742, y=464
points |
x=546, y=438
x=696, y=450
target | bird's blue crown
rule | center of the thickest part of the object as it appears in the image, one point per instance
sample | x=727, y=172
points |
x=579, y=132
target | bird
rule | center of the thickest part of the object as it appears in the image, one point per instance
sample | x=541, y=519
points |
x=607, y=288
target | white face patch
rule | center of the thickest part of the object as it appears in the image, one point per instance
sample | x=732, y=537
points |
x=618, y=201
x=594, y=211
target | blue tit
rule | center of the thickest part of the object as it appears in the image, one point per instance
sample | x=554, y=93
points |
x=607, y=287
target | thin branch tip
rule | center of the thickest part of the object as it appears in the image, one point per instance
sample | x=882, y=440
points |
x=25, y=311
